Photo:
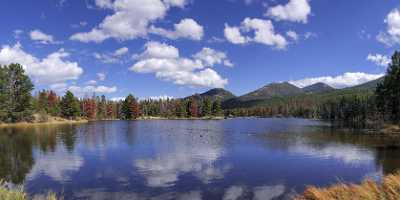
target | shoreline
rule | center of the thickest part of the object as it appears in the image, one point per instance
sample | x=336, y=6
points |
x=26, y=124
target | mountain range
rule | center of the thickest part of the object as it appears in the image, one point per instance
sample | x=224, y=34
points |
x=282, y=91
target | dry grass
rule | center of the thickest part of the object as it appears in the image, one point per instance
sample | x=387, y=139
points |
x=368, y=190
x=19, y=194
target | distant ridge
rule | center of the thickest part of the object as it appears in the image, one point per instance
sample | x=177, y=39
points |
x=281, y=92
x=214, y=94
x=268, y=92
x=318, y=87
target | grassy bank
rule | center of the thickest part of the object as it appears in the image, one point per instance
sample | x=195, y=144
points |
x=47, y=121
x=19, y=194
x=368, y=190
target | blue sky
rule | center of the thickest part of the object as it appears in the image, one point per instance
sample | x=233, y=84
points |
x=179, y=47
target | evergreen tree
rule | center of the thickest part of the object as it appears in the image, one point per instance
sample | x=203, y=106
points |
x=216, y=108
x=15, y=99
x=70, y=106
x=388, y=92
x=207, y=107
x=126, y=108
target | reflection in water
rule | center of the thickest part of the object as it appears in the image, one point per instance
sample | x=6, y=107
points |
x=344, y=152
x=228, y=159
x=179, y=152
x=56, y=165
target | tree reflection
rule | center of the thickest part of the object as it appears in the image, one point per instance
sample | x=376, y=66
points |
x=15, y=156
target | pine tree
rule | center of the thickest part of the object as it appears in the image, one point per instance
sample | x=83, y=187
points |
x=70, y=106
x=207, y=107
x=15, y=98
x=388, y=92
x=126, y=108
x=216, y=108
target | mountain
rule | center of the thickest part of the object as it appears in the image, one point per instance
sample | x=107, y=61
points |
x=272, y=90
x=318, y=87
x=260, y=96
x=371, y=85
x=214, y=94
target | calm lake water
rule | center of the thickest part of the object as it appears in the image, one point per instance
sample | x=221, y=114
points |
x=256, y=159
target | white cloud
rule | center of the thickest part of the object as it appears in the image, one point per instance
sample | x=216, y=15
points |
x=157, y=50
x=264, y=33
x=392, y=34
x=186, y=28
x=233, y=35
x=378, y=59
x=41, y=37
x=293, y=35
x=101, y=76
x=162, y=97
x=112, y=57
x=165, y=62
x=294, y=11
x=211, y=57
x=346, y=80
x=121, y=51
x=130, y=19
x=90, y=89
x=52, y=69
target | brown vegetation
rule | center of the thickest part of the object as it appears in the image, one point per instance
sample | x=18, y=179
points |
x=368, y=190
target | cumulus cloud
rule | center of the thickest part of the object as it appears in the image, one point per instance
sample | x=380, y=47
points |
x=211, y=57
x=263, y=30
x=164, y=60
x=43, y=38
x=52, y=69
x=392, y=34
x=186, y=28
x=113, y=57
x=378, y=59
x=294, y=11
x=130, y=19
x=233, y=35
x=342, y=81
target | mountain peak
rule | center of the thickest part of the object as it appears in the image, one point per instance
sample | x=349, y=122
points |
x=318, y=87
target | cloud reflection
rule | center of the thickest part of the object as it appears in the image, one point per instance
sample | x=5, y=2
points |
x=184, y=153
x=58, y=165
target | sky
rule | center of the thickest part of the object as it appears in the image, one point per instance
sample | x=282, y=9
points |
x=174, y=48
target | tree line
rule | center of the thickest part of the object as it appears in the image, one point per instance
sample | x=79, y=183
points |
x=356, y=107
x=352, y=107
x=17, y=103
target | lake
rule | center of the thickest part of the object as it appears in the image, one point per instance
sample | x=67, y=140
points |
x=232, y=159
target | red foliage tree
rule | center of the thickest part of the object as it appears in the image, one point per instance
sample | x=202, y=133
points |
x=193, y=108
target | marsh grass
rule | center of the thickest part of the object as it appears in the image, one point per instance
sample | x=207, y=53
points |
x=19, y=194
x=389, y=189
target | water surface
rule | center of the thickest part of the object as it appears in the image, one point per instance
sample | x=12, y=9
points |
x=256, y=159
